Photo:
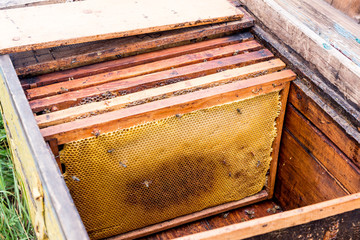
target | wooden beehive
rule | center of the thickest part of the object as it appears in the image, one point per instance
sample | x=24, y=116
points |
x=176, y=75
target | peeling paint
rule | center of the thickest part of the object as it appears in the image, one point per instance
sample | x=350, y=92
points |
x=343, y=32
x=326, y=46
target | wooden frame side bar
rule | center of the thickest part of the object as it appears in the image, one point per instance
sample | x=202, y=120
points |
x=56, y=208
x=276, y=144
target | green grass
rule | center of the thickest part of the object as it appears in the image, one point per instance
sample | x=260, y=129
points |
x=14, y=217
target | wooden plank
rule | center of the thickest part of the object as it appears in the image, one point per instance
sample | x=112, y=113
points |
x=151, y=67
x=338, y=31
x=74, y=113
x=315, y=85
x=191, y=217
x=323, y=150
x=276, y=143
x=25, y=173
x=69, y=99
x=247, y=213
x=261, y=209
x=67, y=57
x=7, y=4
x=54, y=147
x=48, y=28
x=309, y=183
x=123, y=118
x=284, y=220
x=342, y=226
x=339, y=70
x=132, y=61
x=38, y=161
x=326, y=124
x=183, y=230
x=350, y=7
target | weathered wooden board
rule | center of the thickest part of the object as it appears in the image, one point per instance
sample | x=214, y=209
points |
x=261, y=196
x=71, y=114
x=330, y=156
x=350, y=7
x=326, y=123
x=6, y=4
x=47, y=26
x=330, y=61
x=147, y=68
x=69, y=99
x=306, y=215
x=128, y=117
x=66, y=57
x=338, y=31
x=52, y=210
x=131, y=61
x=257, y=210
x=309, y=183
x=312, y=83
x=342, y=226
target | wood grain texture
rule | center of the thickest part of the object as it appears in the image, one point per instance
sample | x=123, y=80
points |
x=71, y=114
x=93, y=20
x=284, y=220
x=326, y=124
x=244, y=214
x=54, y=148
x=131, y=61
x=67, y=57
x=123, y=118
x=350, y=7
x=338, y=31
x=7, y=4
x=314, y=84
x=330, y=61
x=147, y=68
x=342, y=226
x=315, y=142
x=45, y=183
x=301, y=179
x=261, y=209
x=276, y=144
x=138, y=83
x=192, y=217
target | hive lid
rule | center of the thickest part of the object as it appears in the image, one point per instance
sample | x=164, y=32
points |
x=62, y=24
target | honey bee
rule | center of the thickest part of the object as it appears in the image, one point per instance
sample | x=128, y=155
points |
x=64, y=89
x=258, y=163
x=147, y=183
x=123, y=164
x=96, y=132
x=75, y=178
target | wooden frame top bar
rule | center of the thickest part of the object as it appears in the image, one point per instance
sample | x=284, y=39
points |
x=182, y=104
x=70, y=23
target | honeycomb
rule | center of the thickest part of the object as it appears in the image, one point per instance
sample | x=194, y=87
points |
x=159, y=170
